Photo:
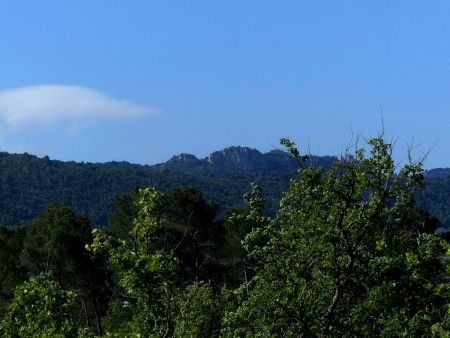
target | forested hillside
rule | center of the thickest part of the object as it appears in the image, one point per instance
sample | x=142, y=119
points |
x=348, y=254
x=436, y=197
x=29, y=184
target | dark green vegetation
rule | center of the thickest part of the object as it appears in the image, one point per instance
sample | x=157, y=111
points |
x=28, y=184
x=436, y=195
x=348, y=254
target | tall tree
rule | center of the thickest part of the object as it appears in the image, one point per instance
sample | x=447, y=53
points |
x=349, y=254
x=144, y=267
x=40, y=308
x=239, y=222
x=55, y=242
x=11, y=241
x=190, y=229
x=194, y=234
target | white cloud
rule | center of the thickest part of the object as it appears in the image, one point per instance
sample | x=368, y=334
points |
x=47, y=104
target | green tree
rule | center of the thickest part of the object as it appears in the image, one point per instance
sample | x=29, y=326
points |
x=349, y=254
x=194, y=235
x=11, y=242
x=239, y=222
x=121, y=220
x=144, y=268
x=190, y=229
x=55, y=242
x=198, y=313
x=40, y=308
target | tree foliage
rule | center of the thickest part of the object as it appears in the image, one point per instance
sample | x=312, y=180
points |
x=55, y=242
x=349, y=254
x=344, y=257
x=40, y=308
x=143, y=266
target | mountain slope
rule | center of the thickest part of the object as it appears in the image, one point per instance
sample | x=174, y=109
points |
x=242, y=160
x=29, y=184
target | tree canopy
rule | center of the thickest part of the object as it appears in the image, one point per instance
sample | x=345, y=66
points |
x=349, y=254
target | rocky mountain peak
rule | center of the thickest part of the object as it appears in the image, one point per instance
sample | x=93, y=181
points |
x=184, y=158
x=239, y=158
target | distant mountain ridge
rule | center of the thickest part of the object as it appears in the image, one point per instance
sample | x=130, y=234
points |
x=438, y=173
x=28, y=184
x=240, y=159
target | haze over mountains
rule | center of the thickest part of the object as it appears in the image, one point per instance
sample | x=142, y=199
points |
x=29, y=184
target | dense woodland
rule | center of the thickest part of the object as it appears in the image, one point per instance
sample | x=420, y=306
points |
x=28, y=184
x=349, y=253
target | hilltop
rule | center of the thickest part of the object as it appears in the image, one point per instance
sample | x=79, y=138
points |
x=28, y=184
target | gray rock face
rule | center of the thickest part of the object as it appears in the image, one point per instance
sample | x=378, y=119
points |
x=184, y=158
x=240, y=159
x=236, y=158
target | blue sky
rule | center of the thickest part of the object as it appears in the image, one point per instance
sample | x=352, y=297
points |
x=142, y=80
